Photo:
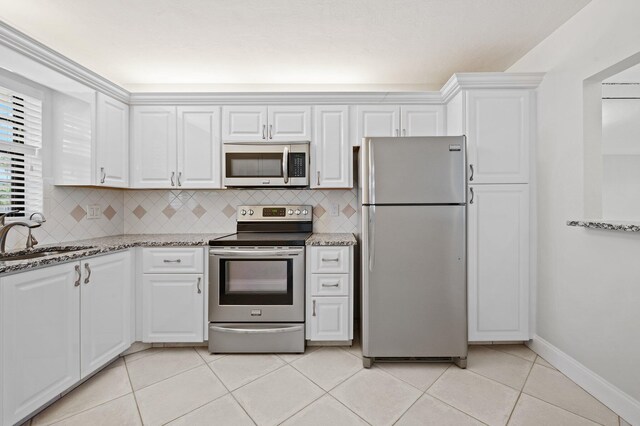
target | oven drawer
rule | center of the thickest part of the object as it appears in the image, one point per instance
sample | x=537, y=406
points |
x=256, y=338
x=329, y=259
x=184, y=260
x=329, y=284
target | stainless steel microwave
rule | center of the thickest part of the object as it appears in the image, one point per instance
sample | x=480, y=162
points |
x=255, y=164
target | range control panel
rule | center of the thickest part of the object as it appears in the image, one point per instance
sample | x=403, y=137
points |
x=280, y=213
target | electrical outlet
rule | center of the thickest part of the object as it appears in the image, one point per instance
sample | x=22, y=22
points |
x=334, y=209
x=94, y=211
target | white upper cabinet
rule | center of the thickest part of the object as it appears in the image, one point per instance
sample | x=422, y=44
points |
x=261, y=123
x=105, y=311
x=422, y=120
x=377, y=120
x=332, y=153
x=498, y=270
x=198, y=147
x=154, y=142
x=244, y=123
x=112, y=142
x=176, y=147
x=498, y=128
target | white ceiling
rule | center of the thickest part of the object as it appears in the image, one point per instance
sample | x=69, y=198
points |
x=147, y=45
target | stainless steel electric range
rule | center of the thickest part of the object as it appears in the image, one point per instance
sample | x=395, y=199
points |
x=256, y=281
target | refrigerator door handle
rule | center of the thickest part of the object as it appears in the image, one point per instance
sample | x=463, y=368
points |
x=372, y=237
x=372, y=178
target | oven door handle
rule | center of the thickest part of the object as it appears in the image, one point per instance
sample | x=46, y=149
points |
x=256, y=252
x=257, y=330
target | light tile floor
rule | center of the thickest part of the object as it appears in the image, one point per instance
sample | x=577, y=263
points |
x=503, y=384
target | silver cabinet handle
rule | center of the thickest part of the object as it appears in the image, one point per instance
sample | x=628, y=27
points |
x=331, y=285
x=313, y=314
x=471, y=168
x=404, y=132
x=318, y=178
x=179, y=177
x=77, y=283
x=173, y=175
x=264, y=128
x=472, y=195
x=198, y=285
x=332, y=259
x=103, y=175
x=172, y=261
x=86, y=267
x=285, y=164
x=270, y=131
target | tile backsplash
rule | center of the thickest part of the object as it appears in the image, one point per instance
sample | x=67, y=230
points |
x=174, y=211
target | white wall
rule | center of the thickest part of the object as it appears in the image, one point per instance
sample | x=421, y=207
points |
x=588, y=301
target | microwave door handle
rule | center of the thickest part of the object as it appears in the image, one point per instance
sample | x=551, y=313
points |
x=285, y=164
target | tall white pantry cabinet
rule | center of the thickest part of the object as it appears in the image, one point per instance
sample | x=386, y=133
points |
x=499, y=123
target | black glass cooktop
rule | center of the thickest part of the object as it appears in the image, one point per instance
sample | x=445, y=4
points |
x=262, y=239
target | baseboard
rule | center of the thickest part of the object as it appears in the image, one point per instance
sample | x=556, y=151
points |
x=617, y=400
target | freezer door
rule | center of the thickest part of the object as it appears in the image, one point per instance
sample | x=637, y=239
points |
x=414, y=295
x=413, y=170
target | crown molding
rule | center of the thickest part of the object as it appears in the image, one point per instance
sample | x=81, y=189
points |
x=489, y=80
x=33, y=49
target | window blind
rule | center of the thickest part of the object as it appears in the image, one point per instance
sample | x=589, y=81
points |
x=20, y=162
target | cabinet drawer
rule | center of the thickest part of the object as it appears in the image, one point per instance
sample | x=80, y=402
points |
x=330, y=260
x=329, y=284
x=164, y=260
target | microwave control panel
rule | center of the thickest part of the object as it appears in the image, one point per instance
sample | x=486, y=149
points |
x=297, y=164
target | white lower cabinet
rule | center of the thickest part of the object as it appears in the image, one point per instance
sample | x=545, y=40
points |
x=43, y=312
x=498, y=269
x=173, y=301
x=329, y=293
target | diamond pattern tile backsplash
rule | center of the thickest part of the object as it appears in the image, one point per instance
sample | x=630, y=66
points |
x=173, y=211
x=163, y=211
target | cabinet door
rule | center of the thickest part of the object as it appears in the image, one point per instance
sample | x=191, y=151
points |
x=329, y=318
x=244, y=123
x=40, y=338
x=112, y=146
x=377, y=120
x=498, y=132
x=422, y=120
x=289, y=123
x=172, y=308
x=498, y=274
x=154, y=146
x=198, y=147
x=331, y=162
x=105, y=311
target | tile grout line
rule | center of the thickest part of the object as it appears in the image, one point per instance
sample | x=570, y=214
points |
x=521, y=391
x=345, y=406
x=564, y=409
x=166, y=378
x=133, y=392
x=495, y=348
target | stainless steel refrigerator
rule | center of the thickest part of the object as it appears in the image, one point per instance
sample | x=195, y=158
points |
x=414, y=294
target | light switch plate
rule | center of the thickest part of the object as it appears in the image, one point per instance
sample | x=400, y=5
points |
x=334, y=209
x=94, y=211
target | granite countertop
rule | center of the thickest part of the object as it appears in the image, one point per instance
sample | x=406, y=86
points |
x=608, y=225
x=94, y=246
x=327, y=239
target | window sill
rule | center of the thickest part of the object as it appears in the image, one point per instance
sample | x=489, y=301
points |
x=607, y=225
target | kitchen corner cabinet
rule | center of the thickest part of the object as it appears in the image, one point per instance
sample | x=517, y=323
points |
x=396, y=120
x=329, y=294
x=266, y=123
x=332, y=155
x=112, y=142
x=175, y=147
x=173, y=290
x=498, y=269
x=59, y=324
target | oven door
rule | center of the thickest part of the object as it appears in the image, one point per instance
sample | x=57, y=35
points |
x=256, y=284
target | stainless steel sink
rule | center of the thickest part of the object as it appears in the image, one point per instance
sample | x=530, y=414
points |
x=37, y=254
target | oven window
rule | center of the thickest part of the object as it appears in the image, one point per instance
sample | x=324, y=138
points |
x=256, y=282
x=256, y=165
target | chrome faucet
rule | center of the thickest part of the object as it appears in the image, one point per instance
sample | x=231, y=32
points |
x=3, y=215
x=42, y=218
x=4, y=231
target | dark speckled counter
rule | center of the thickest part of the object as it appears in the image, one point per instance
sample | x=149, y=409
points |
x=95, y=246
x=330, y=239
x=606, y=225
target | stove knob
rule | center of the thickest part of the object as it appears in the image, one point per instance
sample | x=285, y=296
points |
x=250, y=212
x=298, y=211
x=290, y=212
x=243, y=212
x=305, y=212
